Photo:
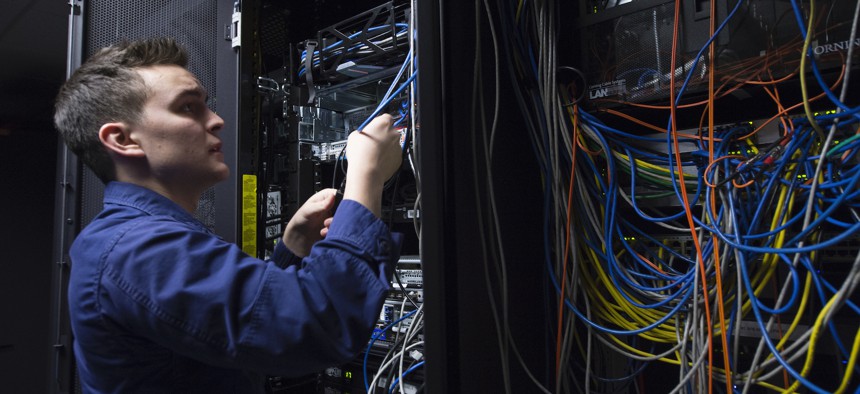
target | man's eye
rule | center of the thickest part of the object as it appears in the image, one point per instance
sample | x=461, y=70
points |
x=187, y=108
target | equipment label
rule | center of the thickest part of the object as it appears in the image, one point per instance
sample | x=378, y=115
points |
x=607, y=89
x=249, y=214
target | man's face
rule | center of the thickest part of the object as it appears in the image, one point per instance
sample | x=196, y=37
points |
x=178, y=132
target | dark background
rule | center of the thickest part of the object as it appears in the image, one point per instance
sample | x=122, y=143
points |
x=33, y=52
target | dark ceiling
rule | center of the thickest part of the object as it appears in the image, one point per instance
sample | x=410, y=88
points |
x=33, y=52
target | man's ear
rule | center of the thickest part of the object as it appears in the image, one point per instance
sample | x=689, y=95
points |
x=116, y=137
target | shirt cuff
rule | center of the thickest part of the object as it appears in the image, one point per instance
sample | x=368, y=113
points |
x=355, y=223
x=283, y=257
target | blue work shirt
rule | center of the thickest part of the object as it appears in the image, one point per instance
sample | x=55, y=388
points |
x=158, y=303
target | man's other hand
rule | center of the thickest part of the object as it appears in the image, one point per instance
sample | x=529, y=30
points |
x=310, y=223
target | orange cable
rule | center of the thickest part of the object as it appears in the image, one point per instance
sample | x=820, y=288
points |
x=742, y=185
x=717, y=271
x=774, y=81
x=789, y=109
x=634, y=120
x=787, y=123
x=647, y=261
x=689, y=214
x=649, y=125
x=566, y=250
x=710, y=168
x=586, y=150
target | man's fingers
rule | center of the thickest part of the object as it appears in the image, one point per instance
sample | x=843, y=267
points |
x=323, y=200
x=381, y=122
x=323, y=194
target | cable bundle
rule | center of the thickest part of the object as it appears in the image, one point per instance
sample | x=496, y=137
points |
x=706, y=250
x=379, y=36
x=407, y=344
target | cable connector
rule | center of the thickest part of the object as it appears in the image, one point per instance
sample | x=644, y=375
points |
x=700, y=157
x=771, y=156
x=767, y=158
x=338, y=196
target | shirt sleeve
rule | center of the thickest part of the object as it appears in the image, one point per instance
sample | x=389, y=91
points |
x=204, y=298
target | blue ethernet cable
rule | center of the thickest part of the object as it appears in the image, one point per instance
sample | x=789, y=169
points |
x=373, y=339
x=407, y=372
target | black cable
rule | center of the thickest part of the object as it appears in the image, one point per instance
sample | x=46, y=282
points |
x=390, y=376
x=403, y=288
x=584, y=85
x=393, y=198
x=338, y=163
x=391, y=210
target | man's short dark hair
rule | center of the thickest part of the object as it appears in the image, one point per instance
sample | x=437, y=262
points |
x=106, y=88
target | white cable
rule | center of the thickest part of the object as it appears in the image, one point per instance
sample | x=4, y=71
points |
x=477, y=110
x=388, y=363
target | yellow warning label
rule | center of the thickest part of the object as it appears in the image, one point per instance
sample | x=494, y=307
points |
x=249, y=214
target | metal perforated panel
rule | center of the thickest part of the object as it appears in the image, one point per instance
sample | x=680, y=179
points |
x=192, y=23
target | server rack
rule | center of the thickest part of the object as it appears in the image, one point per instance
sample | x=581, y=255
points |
x=93, y=24
x=225, y=55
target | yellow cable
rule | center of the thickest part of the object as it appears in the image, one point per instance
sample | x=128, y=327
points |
x=607, y=310
x=850, y=367
x=625, y=161
x=810, y=352
x=771, y=386
x=803, y=57
x=638, y=352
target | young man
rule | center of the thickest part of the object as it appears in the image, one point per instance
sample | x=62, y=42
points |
x=158, y=302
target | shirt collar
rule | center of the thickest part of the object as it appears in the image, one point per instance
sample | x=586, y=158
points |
x=146, y=200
